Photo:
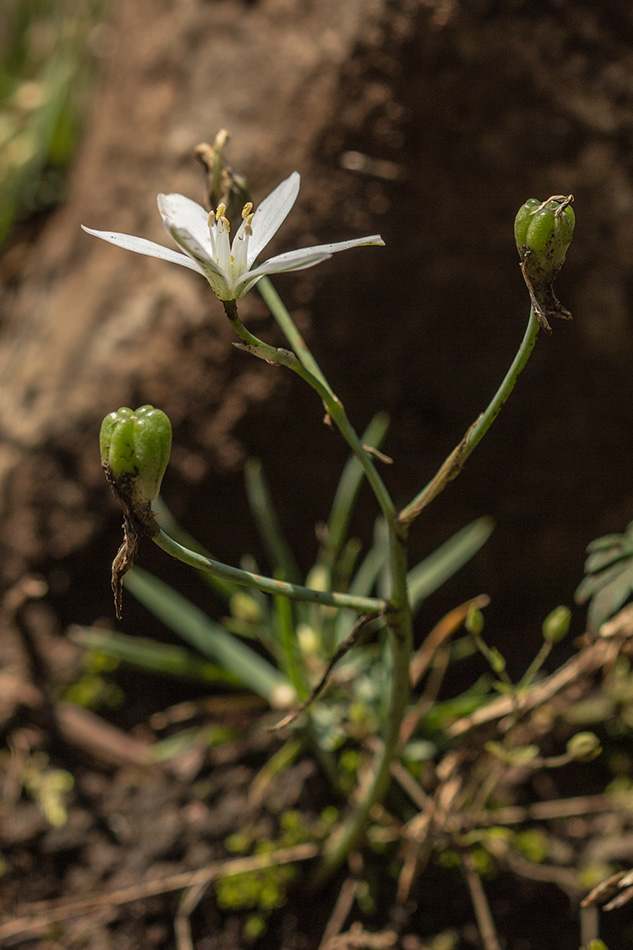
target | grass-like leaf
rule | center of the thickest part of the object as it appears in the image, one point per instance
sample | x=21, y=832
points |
x=429, y=575
x=347, y=493
x=208, y=637
x=260, y=500
x=166, y=658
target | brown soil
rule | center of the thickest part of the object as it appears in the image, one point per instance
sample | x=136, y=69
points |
x=430, y=122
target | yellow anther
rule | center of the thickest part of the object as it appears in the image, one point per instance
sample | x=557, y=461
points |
x=246, y=210
x=220, y=213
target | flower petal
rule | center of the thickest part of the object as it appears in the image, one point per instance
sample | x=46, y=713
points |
x=373, y=239
x=293, y=260
x=271, y=214
x=307, y=256
x=178, y=211
x=300, y=259
x=218, y=278
x=141, y=246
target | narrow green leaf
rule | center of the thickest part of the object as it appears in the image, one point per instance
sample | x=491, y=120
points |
x=347, y=494
x=260, y=500
x=290, y=659
x=593, y=583
x=147, y=654
x=429, y=575
x=364, y=580
x=189, y=622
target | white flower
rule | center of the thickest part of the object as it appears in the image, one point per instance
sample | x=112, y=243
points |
x=229, y=265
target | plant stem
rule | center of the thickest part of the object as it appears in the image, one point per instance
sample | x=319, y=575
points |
x=452, y=465
x=399, y=625
x=290, y=331
x=268, y=585
x=332, y=403
x=398, y=612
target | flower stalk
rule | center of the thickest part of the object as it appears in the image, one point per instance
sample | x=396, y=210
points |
x=453, y=464
x=268, y=585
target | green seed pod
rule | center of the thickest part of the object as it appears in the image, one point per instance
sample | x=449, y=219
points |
x=524, y=219
x=543, y=231
x=136, y=447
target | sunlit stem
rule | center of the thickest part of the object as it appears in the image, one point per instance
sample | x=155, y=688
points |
x=290, y=331
x=452, y=465
x=269, y=585
x=332, y=403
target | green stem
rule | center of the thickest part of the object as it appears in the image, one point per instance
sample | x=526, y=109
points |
x=332, y=403
x=452, y=466
x=268, y=585
x=399, y=624
x=290, y=331
x=398, y=614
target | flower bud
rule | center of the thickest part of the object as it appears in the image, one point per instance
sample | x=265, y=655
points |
x=584, y=746
x=543, y=231
x=135, y=448
x=556, y=624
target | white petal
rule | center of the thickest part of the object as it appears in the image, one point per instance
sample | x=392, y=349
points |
x=373, y=239
x=149, y=248
x=300, y=260
x=177, y=211
x=218, y=278
x=308, y=256
x=293, y=260
x=271, y=214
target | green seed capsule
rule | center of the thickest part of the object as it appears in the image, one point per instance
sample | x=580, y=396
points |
x=524, y=219
x=545, y=229
x=136, y=447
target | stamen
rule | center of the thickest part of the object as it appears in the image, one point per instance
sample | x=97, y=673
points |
x=246, y=210
x=222, y=240
x=212, y=225
x=222, y=218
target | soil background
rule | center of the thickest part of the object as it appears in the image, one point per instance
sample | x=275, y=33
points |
x=429, y=122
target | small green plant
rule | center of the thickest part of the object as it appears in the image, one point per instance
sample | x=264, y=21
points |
x=48, y=787
x=348, y=626
x=608, y=581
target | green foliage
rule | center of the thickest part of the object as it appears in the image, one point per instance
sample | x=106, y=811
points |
x=608, y=581
x=94, y=689
x=45, y=65
x=265, y=890
x=47, y=786
x=298, y=638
